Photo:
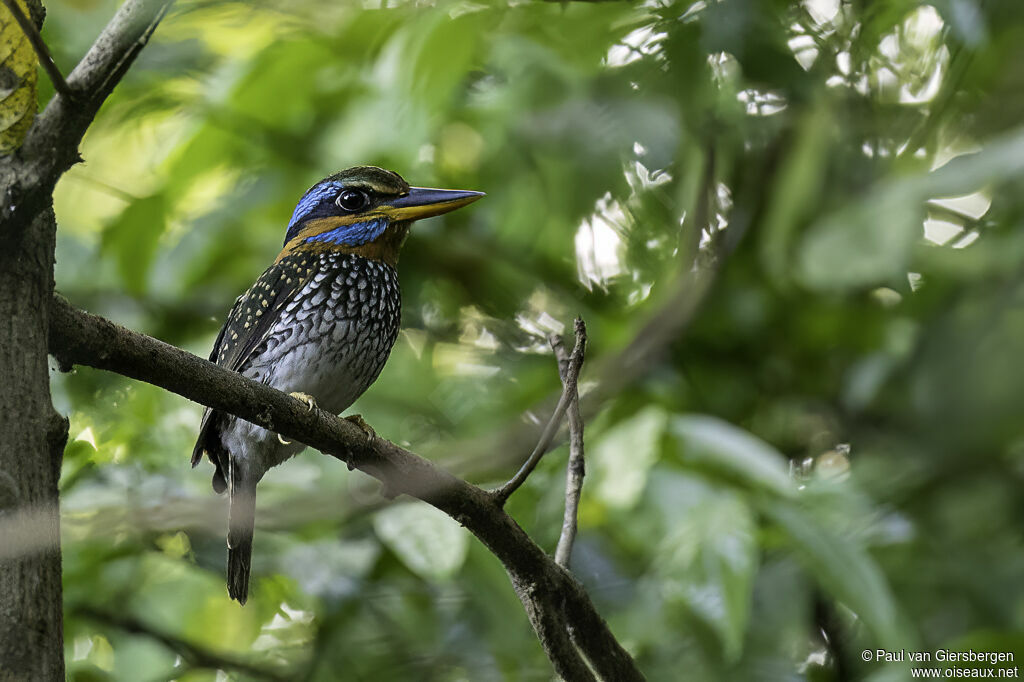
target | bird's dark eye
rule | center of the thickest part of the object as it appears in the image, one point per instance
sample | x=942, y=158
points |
x=352, y=200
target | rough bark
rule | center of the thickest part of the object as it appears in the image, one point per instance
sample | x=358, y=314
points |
x=32, y=439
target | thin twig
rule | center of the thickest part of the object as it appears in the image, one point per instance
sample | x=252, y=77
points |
x=572, y=373
x=575, y=470
x=45, y=60
x=148, y=24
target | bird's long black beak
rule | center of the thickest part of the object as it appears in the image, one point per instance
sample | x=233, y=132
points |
x=423, y=202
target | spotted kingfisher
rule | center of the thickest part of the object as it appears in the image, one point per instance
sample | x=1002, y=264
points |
x=319, y=323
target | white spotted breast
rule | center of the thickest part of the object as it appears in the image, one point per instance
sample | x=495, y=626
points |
x=329, y=337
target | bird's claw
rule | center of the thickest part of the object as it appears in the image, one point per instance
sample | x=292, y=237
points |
x=310, y=403
x=358, y=420
x=306, y=398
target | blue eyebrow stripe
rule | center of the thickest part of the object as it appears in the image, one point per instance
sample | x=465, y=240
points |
x=352, y=235
x=310, y=201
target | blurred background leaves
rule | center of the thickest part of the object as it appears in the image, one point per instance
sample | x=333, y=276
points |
x=794, y=230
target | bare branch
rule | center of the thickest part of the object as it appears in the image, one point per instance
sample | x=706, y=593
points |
x=115, y=50
x=45, y=60
x=548, y=592
x=575, y=470
x=572, y=373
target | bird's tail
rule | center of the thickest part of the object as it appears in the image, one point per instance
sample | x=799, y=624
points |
x=241, y=519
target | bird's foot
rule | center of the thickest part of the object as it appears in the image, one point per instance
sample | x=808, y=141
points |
x=306, y=398
x=310, y=403
x=358, y=420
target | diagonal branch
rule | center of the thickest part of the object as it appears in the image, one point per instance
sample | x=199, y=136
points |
x=572, y=375
x=42, y=52
x=114, y=51
x=548, y=592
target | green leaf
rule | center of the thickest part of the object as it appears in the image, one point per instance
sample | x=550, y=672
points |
x=437, y=57
x=865, y=243
x=843, y=567
x=1000, y=160
x=722, y=447
x=622, y=458
x=798, y=189
x=708, y=560
x=330, y=567
x=18, y=79
x=425, y=539
x=133, y=238
x=870, y=241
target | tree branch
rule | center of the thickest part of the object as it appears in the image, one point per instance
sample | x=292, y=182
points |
x=548, y=592
x=572, y=373
x=575, y=470
x=45, y=60
x=51, y=146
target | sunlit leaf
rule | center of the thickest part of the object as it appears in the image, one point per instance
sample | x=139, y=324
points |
x=621, y=460
x=18, y=77
x=797, y=189
x=721, y=447
x=870, y=240
x=708, y=560
x=132, y=239
x=428, y=542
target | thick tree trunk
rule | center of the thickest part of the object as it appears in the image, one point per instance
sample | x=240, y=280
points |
x=32, y=437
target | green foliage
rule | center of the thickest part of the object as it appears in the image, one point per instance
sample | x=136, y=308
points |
x=18, y=80
x=832, y=440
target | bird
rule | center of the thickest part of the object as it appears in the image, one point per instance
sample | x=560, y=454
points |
x=319, y=323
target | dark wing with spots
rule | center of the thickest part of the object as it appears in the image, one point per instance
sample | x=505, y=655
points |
x=208, y=442
x=251, y=319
